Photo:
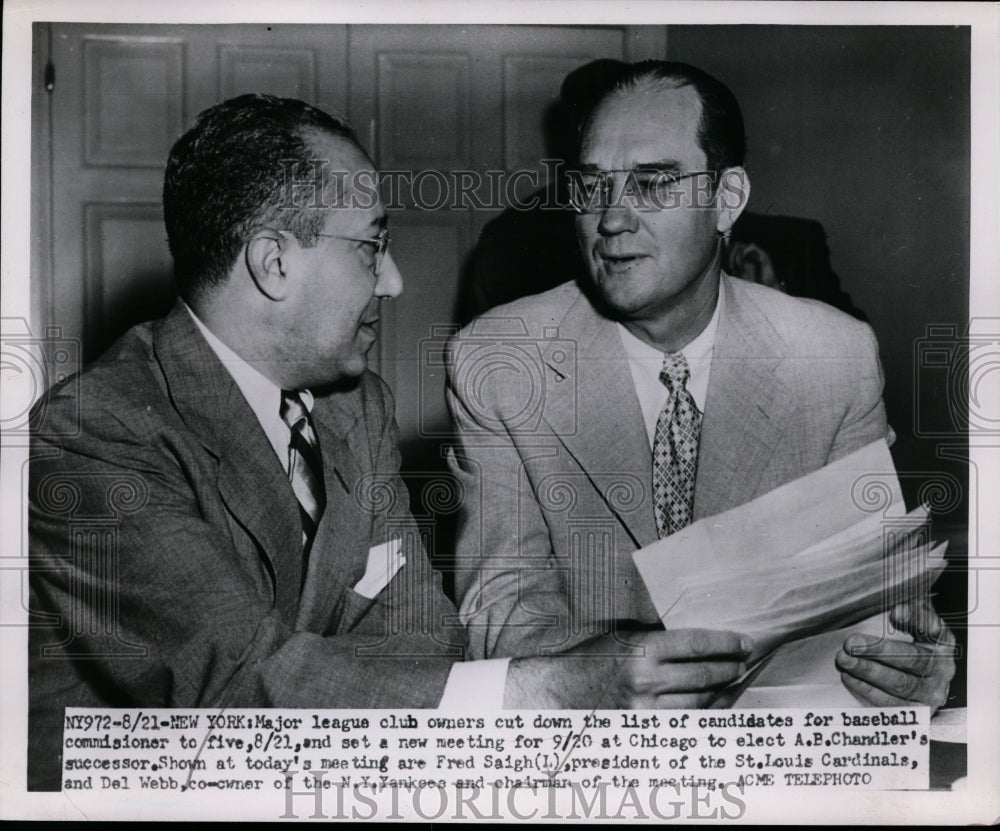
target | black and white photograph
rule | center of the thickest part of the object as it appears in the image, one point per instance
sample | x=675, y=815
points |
x=526, y=412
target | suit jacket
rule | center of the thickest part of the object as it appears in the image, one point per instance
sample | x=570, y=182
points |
x=555, y=465
x=166, y=552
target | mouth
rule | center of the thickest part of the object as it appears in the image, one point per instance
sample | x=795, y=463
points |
x=617, y=262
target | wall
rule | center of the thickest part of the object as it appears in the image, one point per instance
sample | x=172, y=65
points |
x=866, y=129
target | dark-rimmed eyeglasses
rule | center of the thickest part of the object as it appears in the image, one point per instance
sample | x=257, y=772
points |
x=646, y=189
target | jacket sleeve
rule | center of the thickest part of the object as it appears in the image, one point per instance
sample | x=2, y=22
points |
x=865, y=419
x=511, y=587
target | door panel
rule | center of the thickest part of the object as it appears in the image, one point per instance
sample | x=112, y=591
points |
x=128, y=266
x=424, y=110
x=132, y=105
x=287, y=73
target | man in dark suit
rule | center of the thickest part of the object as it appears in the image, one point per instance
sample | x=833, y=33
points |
x=787, y=253
x=227, y=527
x=230, y=569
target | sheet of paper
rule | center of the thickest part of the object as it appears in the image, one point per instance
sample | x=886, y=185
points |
x=779, y=524
x=849, y=552
x=803, y=674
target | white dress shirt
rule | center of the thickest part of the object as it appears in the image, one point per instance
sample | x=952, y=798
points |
x=645, y=363
x=472, y=685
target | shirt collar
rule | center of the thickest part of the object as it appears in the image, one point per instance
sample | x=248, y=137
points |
x=697, y=351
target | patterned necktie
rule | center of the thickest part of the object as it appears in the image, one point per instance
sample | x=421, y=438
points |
x=305, y=464
x=675, y=449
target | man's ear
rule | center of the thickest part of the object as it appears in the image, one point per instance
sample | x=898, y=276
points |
x=266, y=257
x=731, y=198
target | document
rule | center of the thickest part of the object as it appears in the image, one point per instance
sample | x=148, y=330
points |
x=821, y=553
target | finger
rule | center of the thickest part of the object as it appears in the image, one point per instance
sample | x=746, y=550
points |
x=922, y=622
x=688, y=677
x=909, y=657
x=870, y=694
x=683, y=701
x=932, y=695
x=692, y=644
x=896, y=682
x=927, y=687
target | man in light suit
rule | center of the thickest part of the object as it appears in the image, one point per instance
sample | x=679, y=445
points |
x=216, y=515
x=594, y=419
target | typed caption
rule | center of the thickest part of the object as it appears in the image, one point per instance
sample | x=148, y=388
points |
x=363, y=754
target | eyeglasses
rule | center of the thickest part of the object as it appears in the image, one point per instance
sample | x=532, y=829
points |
x=379, y=243
x=648, y=189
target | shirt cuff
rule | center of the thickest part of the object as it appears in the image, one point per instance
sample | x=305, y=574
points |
x=476, y=685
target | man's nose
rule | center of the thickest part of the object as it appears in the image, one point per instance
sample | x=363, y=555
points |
x=618, y=215
x=390, y=281
x=617, y=218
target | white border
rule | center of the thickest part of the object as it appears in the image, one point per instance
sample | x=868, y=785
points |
x=980, y=802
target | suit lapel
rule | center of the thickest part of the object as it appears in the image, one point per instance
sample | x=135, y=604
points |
x=608, y=439
x=747, y=406
x=333, y=562
x=251, y=481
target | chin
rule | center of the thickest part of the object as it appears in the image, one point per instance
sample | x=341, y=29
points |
x=338, y=372
x=622, y=295
x=355, y=368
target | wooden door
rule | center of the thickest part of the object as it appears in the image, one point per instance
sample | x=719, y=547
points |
x=120, y=96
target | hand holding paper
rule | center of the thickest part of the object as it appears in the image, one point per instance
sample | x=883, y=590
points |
x=891, y=672
x=821, y=553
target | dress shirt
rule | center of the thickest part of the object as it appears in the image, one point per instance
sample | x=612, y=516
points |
x=471, y=686
x=645, y=363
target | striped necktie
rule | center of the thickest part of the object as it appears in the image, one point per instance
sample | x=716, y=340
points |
x=305, y=464
x=675, y=449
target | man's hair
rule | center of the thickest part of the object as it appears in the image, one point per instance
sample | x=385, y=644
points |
x=233, y=173
x=721, y=134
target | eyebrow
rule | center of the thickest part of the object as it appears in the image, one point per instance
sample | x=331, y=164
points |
x=662, y=164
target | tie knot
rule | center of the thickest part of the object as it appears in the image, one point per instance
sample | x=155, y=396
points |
x=675, y=371
x=293, y=411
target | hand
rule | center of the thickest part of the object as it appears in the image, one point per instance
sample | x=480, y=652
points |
x=888, y=672
x=675, y=669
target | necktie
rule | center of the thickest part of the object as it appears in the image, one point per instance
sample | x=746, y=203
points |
x=305, y=464
x=675, y=449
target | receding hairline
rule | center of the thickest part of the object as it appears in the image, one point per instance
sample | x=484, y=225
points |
x=647, y=85
x=340, y=169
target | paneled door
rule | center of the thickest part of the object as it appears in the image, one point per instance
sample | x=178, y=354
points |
x=118, y=97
